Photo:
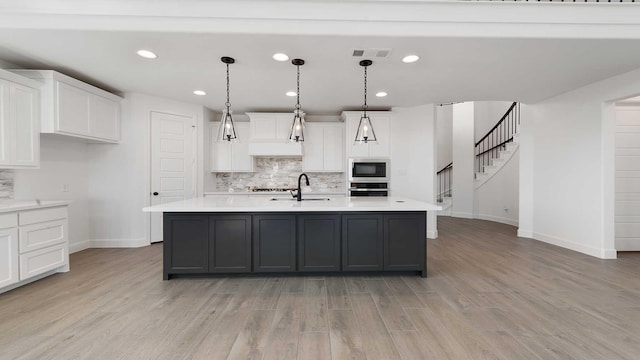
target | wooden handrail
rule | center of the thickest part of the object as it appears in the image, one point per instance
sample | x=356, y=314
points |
x=498, y=123
x=445, y=168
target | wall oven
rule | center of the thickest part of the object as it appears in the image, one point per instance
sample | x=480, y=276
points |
x=369, y=170
x=369, y=189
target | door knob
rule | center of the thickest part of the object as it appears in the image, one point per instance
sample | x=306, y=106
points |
x=155, y=193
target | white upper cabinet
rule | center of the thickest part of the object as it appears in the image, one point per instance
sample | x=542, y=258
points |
x=323, y=147
x=231, y=156
x=381, y=123
x=74, y=108
x=269, y=135
x=19, y=122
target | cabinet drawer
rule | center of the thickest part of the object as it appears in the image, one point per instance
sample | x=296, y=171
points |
x=8, y=220
x=42, y=215
x=40, y=261
x=41, y=235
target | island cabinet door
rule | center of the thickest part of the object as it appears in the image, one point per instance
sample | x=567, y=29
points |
x=405, y=242
x=362, y=242
x=230, y=244
x=274, y=243
x=186, y=244
x=319, y=242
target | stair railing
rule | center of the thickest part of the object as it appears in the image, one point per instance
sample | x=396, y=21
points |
x=489, y=146
x=444, y=182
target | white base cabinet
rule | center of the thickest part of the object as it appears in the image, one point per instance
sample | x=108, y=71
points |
x=8, y=250
x=74, y=108
x=381, y=123
x=323, y=147
x=231, y=156
x=19, y=122
x=32, y=243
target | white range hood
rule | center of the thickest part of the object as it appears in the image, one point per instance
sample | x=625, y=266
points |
x=269, y=135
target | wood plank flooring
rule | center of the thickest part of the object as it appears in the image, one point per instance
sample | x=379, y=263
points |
x=489, y=295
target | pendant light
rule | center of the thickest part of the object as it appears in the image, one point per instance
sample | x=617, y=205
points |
x=227, y=131
x=297, y=128
x=365, y=133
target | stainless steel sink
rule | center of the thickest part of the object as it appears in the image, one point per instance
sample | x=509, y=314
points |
x=303, y=199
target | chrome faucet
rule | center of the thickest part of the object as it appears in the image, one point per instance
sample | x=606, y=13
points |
x=299, y=194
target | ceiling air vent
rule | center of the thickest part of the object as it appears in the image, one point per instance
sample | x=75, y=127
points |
x=371, y=53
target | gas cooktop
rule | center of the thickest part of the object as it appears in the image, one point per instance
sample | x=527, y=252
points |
x=258, y=189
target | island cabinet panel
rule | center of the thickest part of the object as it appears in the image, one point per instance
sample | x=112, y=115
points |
x=405, y=242
x=319, y=242
x=274, y=243
x=230, y=244
x=362, y=242
x=186, y=244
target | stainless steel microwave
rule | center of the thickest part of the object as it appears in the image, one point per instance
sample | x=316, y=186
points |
x=369, y=170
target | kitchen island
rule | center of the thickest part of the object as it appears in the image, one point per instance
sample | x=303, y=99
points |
x=227, y=234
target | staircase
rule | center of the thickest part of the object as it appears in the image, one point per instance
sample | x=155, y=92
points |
x=497, y=147
x=492, y=152
x=504, y=154
x=444, y=190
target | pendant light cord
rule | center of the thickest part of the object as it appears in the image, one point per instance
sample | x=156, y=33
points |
x=298, y=87
x=228, y=104
x=365, y=106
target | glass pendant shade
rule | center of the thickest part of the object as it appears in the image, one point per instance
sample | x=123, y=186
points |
x=227, y=131
x=365, y=133
x=297, y=128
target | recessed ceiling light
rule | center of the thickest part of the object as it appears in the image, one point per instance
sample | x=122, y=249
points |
x=147, y=54
x=410, y=59
x=199, y=92
x=381, y=94
x=280, y=57
x=291, y=93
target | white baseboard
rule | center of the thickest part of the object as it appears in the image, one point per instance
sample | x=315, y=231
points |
x=79, y=246
x=432, y=234
x=119, y=243
x=463, y=215
x=525, y=233
x=567, y=244
x=30, y=280
x=499, y=219
x=628, y=244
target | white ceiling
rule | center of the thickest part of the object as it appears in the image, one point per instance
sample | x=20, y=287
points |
x=450, y=69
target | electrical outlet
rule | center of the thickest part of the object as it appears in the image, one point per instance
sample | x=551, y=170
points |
x=65, y=187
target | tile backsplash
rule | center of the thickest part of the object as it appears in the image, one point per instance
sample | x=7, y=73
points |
x=276, y=172
x=6, y=184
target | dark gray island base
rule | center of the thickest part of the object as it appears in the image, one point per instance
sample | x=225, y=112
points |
x=294, y=242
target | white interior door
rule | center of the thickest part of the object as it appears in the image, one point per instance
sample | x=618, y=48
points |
x=173, y=165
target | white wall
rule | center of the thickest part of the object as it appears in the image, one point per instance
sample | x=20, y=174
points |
x=444, y=135
x=627, y=208
x=462, y=186
x=497, y=198
x=573, y=157
x=63, y=160
x=413, y=154
x=119, y=174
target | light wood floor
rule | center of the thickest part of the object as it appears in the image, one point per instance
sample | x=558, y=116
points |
x=489, y=295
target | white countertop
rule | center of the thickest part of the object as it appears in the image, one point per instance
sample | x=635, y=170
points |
x=264, y=204
x=20, y=205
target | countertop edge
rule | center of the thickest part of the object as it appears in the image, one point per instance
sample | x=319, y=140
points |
x=32, y=205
